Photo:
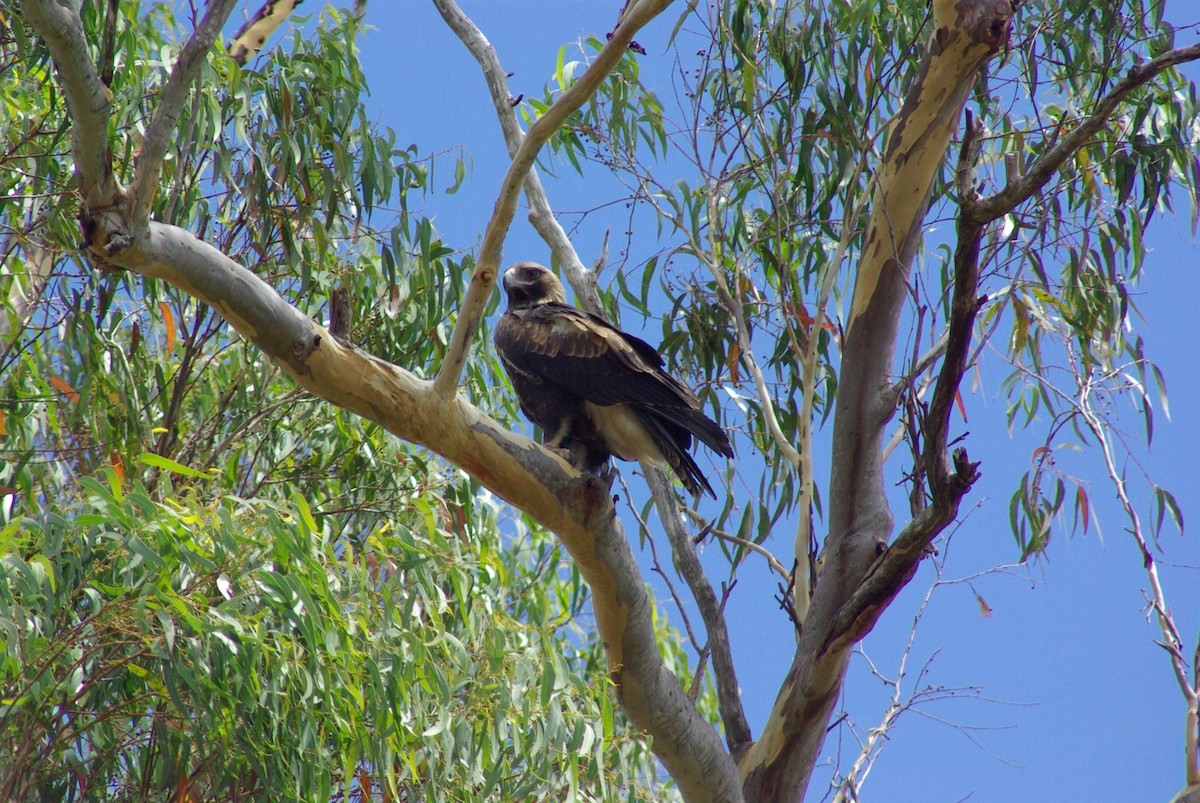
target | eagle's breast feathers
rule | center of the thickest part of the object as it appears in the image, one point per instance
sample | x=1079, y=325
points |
x=594, y=389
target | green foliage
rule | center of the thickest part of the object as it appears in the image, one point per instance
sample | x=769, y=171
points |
x=265, y=597
x=262, y=597
x=782, y=122
x=238, y=648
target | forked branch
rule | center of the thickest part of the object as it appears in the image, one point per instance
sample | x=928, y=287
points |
x=490, y=253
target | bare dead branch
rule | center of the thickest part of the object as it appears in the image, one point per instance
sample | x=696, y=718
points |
x=706, y=527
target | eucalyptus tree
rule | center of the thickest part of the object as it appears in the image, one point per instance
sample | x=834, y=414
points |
x=821, y=140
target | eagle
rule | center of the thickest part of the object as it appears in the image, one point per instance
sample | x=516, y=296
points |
x=594, y=390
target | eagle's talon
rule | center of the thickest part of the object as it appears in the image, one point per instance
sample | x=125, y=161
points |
x=563, y=452
x=607, y=474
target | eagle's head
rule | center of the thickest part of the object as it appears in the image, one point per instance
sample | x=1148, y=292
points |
x=529, y=284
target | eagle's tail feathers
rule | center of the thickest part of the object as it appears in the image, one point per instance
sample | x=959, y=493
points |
x=697, y=423
x=677, y=456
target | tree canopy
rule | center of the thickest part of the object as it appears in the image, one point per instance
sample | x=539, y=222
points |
x=247, y=555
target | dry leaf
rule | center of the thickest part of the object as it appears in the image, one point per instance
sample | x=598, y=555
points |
x=985, y=610
x=65, y=388
x=733, y=361
x=169, y=321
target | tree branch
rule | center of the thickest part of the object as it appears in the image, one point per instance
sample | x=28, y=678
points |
x=847, y=599
x=1040, y=172
x=1172, y=640
x=898, y=564
x=24, y=291
x=577, y=509
x=491, y=251
x=162, y=130
x=542, y=217
x=707, y=528
x=88, y=99
x=687, y=565
x=251, y=37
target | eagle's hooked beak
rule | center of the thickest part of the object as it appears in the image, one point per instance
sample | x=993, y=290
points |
x=530, y=283
x=522, y=274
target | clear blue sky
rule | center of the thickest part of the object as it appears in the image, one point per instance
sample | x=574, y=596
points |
x=1080, y=703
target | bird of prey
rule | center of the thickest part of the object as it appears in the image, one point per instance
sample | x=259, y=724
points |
x=594, y=390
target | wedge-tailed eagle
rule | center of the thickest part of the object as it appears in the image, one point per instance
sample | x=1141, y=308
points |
x=593, y=389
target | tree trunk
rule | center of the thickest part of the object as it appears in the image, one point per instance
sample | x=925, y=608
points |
x=779, y=765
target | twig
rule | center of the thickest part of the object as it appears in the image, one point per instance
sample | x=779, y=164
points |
x=772, y=561
x=687, y=564
x=658, y=568
x=541, y=216
x=1158, y=598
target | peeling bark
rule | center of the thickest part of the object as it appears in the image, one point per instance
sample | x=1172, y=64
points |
x=251, y=37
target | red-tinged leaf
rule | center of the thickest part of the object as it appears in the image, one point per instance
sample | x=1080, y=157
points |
x=1081, y=502
x=136, y=339
x=364, y=783
x=958, y=402
x=800, y=313
x=985, y=610
x=8, y=490
x=65, y=387
x=2, y=423
x=118, y=465
x=169, y=323
x=286, y=97
x=1038, y=453
x=733, y=360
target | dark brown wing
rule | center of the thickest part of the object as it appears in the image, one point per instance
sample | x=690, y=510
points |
x=583, y=355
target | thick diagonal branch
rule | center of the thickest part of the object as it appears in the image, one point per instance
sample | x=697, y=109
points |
x=578, y=510
x=737, y=732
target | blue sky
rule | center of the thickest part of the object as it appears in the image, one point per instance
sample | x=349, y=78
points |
x=1074, y=700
